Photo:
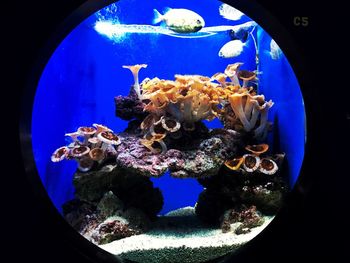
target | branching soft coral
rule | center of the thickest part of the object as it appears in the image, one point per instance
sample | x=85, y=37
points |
x=247, y=109
x=251, y=110
x=190, y=98
x=178, y=104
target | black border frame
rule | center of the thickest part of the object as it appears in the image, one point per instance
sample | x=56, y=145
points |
x=250, y=7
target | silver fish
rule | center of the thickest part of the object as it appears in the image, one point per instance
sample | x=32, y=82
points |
x=232, y=49
x=275, y=51
x=180, y=20
x=230, y=12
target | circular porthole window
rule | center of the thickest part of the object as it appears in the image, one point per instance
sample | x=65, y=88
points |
x=168, y=131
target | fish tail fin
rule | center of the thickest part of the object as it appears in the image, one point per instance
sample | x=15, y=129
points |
x=270, y=54
x=157, y=17
x=267, y=52
x=166, y=10
x=246, y=42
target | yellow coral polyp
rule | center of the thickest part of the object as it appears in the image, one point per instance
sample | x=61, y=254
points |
x=257, y=149
x=189, y=78
x=231, y=89
x=160, y=100
x=150, y=84
x=220, y=77
x=150, y=107
x=234, y=164
x=250, y=109
x=190, y=98
x=172, y=96
x=170, y=124
x=157, y=130
x=147, y=122
x=154, y=144
x=158, y=137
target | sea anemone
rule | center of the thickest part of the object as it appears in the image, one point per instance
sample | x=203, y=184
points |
x=237, y=101
x=80, y=151
x=232, y=72
x=221, y=78
x=74, y=136
x=257, y=149
x=261, y=131
x=60, y=154
x=246, y=76
x=97, y=154
x=154, y=143
x=157, y=129
x=268, y=166
x=148, y=121
x=108, y=138
x=135, y=72
x=170, y=124
x=100, y=128
x=99, y=142
x=251, y=162
x=87, y=132
x=249, y=110
x=235, y=163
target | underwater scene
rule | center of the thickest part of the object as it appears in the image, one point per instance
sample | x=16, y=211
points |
x=168, y=131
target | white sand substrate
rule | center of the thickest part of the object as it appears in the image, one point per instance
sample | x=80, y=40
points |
x=179, y=236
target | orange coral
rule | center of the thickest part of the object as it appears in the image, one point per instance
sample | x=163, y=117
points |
x=154, y=142
x=192, y=98
x=257, y=149
x=249, y=109
x=235, y=163
x=179, y=103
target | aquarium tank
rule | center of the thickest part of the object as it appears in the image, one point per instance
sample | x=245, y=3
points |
x=168, y=131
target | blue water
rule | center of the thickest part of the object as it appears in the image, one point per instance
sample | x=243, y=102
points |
x=85, y=73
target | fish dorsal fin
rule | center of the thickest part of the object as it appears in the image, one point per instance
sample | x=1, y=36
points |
x=166, y=10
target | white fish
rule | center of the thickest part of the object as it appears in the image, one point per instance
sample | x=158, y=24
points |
x=275, y=51
x=117, y=32
x=230, y=12
x=232, y=49
x=180, y=20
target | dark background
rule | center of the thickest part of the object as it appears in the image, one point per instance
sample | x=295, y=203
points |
x=313, y=223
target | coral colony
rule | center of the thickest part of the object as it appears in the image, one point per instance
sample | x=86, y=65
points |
x=242, y=178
